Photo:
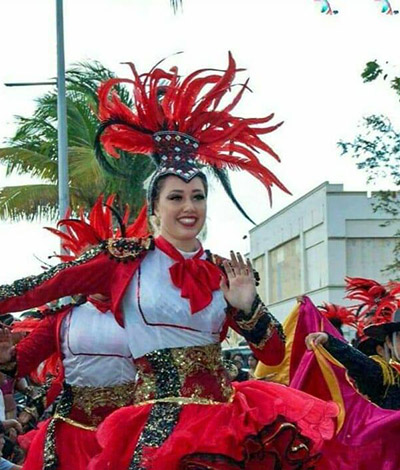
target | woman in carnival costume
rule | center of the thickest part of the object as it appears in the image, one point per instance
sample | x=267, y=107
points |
x=81, y=345
x=374, y=364
x=176, y=301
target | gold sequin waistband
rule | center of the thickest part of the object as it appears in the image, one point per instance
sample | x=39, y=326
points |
x=194, y=375
x=88, y=399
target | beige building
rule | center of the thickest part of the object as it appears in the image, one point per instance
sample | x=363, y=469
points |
x=312, y=244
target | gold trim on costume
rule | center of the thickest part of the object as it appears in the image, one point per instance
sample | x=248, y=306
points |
x=72, y=422
x=186, y=401
x=88, y=399
x=248, y=324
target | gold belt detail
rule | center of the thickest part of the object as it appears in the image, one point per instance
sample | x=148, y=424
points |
x=86, y=427
x=186, y=401
x=88, y=399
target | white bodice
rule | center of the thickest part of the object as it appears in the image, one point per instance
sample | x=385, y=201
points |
x=95, y=349
x=157, y=317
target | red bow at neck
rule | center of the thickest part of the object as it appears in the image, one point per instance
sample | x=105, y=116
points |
x=195, y=277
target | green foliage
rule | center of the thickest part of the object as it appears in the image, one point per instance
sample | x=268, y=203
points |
x=33, y=151
x=376, y=150
x=371, y=72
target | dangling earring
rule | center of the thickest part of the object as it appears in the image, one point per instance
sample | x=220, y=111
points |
x=155, y=223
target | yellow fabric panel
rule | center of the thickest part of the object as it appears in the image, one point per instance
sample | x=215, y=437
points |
x=280, y=373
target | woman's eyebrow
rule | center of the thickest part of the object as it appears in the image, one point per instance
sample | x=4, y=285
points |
x=176, y=191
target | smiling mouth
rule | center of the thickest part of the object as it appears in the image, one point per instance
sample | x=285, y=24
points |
x=188, y=221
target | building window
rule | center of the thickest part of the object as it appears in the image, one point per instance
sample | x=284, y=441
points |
x=285, y=271
x=367, y=257
x=315, y=263
x=259, y=266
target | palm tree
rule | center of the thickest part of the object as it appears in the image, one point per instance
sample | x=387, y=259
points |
x=33, y=151
x=175, y=4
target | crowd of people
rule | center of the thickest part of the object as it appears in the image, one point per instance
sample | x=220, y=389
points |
x=130, y=374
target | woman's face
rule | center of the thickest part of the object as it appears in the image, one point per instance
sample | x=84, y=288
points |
x=395, y=348
x=181, y=208
x=252, y=361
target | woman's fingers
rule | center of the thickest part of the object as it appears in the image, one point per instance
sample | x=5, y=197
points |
x=228, y=269
x=234, y=264
x=242, y=265
x=309, y=341
x=249, y=267
x=315, y=339
x=239, y=266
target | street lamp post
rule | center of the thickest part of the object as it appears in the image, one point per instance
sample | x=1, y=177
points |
x=63, y=190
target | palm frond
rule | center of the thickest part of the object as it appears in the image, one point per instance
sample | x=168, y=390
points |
x=33, y=150
x=84, y=171
x=176, y=4
x=29, y=202
x=23, y=160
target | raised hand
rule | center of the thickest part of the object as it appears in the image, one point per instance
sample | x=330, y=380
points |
x=6, y=345
x=240, y=291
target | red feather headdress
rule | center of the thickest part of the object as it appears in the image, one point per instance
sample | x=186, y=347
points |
x=181, y=123
x=377, y=303
x=84, y=232
x=337, y=312
x=377, y=300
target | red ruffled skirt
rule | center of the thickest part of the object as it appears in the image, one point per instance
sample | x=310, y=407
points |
x=75, y=447
x=266, y=426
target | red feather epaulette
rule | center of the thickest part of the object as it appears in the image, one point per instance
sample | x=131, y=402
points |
x=79, y=234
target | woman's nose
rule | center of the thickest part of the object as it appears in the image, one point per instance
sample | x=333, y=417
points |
x=189, y=206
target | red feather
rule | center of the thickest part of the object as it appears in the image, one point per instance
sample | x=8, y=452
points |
x=378, y=302
x=98, y=226
x=333, y=311
x=191, y=106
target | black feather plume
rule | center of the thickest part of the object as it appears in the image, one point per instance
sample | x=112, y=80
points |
x=103, y=160
x=119, y=219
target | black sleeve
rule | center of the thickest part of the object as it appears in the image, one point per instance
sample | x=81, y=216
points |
x=366, y=373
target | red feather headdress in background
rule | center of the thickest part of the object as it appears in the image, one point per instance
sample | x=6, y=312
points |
x=181, y=123
x=377, y=301
x=343, y=315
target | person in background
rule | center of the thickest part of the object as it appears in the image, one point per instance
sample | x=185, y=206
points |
x=6, y=464
x=242, y=375
x=7, y=425
x=374, y=377
x=252, y=361
x=93, y=365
